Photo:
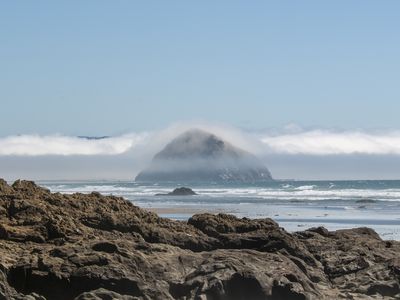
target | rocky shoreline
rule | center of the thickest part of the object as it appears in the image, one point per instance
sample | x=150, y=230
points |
x=89, y=246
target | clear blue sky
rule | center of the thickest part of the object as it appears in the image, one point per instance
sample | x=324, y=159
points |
x=106, y=67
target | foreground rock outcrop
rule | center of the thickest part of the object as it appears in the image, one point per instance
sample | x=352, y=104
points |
x=88, y=246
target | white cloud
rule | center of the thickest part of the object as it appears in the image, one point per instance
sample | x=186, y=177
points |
x=325, y=142
x=35, y=145
x=288, y=141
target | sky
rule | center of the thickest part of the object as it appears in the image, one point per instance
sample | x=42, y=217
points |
x=315, y=83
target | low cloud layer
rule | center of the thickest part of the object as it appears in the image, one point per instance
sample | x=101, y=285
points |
x=311, y=142
x=36, y=145
x=323, y=142
x=290, y=152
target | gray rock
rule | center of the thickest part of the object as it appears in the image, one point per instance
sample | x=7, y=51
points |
x=182, y=191
x=198, y=156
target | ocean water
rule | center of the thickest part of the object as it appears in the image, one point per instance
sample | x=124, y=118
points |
x=295, y=205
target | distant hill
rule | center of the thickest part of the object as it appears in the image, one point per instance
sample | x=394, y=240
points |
x=199, y=156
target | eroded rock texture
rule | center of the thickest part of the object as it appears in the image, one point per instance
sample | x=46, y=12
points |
x=80, y=246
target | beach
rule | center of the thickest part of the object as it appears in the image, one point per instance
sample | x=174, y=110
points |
x=295, y=205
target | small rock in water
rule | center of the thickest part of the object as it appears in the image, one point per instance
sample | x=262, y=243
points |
x=182, y=191
x=365, y=201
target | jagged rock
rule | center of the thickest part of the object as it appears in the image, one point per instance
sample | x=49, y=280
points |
x=29, y=188
x=89, y=246
x=5, y=188
x=199, y=156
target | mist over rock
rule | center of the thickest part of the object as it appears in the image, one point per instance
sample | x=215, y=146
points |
x=199, y=156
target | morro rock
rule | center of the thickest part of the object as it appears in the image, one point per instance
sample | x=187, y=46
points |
x=199, y=156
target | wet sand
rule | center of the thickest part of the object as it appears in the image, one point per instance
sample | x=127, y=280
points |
x=189, y=211
x=387, y=229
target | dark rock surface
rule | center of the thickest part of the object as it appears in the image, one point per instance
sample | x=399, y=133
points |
x=88, y=246
x=181, y=191
x=198, y=156
x=365, y=201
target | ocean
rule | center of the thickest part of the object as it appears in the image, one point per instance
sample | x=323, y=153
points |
x=295, y=205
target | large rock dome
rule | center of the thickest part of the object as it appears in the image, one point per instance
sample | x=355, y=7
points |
x=199, y=156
